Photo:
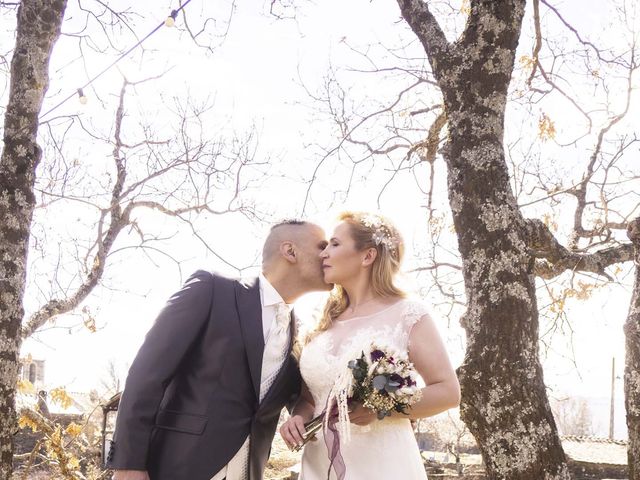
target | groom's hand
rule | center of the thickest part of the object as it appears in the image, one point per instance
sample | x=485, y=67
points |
x=361, y=415
x=130, y=475
x=292, y=431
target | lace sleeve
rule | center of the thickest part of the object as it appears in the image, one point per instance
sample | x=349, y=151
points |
x=414, y=311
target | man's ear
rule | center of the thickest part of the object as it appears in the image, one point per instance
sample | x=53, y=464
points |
x=288, y=251
x=369, y=257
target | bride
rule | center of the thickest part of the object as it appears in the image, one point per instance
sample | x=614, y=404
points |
x=362, y=259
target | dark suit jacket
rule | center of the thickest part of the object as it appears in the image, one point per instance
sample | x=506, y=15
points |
x=191, y=396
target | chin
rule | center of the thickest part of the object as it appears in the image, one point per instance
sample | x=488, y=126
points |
x=328, y=287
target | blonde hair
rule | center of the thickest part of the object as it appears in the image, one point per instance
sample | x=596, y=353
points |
x=368, y=231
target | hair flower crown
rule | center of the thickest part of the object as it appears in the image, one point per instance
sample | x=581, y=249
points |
x=382, y=233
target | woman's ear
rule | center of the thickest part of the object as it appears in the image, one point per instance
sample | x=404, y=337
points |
x=369, y=257
x=288, y=251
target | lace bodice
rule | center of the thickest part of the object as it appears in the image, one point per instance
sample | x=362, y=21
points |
x=326, y=355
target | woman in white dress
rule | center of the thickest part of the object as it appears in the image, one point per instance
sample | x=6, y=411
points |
x=362, y=259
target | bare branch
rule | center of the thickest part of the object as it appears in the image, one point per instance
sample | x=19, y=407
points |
x=558, y=259
x=427, y=29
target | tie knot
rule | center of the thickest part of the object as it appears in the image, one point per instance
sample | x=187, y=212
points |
x=283, y=313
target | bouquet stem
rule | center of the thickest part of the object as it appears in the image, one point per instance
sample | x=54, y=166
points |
x=310, y=429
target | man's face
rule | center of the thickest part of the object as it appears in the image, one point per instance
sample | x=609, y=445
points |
x=309, y=246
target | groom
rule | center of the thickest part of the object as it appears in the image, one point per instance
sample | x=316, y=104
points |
x=205, y=391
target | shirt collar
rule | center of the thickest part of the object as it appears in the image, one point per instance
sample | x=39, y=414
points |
x=268, y=295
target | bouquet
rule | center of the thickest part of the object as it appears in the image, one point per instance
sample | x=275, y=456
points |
x=380, y=379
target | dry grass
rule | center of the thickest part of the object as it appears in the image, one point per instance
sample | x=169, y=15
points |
x=281, y=460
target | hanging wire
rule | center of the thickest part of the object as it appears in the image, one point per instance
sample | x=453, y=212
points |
x=173, y=15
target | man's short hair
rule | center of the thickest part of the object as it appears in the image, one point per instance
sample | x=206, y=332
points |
x=288, y=221
x=271, y=246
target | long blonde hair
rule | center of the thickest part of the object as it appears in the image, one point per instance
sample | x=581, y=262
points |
x=368, y=231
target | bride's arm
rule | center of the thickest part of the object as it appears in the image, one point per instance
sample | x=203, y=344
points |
x=293, y=429
x=428, y=354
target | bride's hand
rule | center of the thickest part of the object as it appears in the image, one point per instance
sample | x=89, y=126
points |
x=292, y=431
x=361, y=415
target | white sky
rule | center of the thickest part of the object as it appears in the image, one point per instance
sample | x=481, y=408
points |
x=255, y=79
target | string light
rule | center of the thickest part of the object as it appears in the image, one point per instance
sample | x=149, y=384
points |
x=174, y=14
x=82, y=97
x=171, y=19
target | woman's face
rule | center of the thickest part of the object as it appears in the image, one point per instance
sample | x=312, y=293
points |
x=340, y=260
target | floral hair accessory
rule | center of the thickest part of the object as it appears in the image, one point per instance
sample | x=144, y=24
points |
x=382, y=233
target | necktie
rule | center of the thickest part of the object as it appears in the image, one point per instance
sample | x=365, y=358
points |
x=276, y=349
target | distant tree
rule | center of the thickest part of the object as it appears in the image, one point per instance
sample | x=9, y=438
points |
x=573, y=416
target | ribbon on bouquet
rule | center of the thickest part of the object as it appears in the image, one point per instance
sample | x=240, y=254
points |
x=332, y=441
x=336, y=423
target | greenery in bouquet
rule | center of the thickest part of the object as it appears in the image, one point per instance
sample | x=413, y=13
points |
x=384, y=381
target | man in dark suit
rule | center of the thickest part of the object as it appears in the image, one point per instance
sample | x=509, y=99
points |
x=204, y=393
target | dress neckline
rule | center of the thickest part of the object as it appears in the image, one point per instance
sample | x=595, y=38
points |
x=346, y=320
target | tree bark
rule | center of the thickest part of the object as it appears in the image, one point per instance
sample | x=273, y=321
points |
x=38, y=28
x=504, y=402
x=632, y=362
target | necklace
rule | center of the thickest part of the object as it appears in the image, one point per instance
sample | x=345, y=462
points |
x=352, y=309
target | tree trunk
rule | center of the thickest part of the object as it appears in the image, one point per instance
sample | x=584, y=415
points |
x=38, y=28
x=632, y=362
x=504, y=402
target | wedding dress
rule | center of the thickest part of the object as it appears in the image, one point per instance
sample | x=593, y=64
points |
x=385, y=449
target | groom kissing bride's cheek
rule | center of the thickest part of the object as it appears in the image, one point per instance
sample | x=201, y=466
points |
x=204, y=393
x=361, y=366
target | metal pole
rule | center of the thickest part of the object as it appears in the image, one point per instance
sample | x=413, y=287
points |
x=613, y=389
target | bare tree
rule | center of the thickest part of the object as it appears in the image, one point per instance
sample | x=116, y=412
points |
x=505, y=259
x=37, y=31
x=180, y=175
x=573, y=416
x=632, y=361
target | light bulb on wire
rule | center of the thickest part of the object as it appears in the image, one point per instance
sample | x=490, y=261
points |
x=171, y=19
x=82, y=97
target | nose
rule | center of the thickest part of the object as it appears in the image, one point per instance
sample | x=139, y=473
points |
x=324, y=253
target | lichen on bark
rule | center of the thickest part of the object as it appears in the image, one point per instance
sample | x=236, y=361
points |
x=504, y=402
x=38, y=28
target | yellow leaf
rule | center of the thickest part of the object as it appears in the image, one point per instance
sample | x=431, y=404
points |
x=25, y=386
x=60, y=395
x=74, y=429
x=25, y=421
x=73, y=463
x=526, y=62
x=90, y=323
x=546, y=128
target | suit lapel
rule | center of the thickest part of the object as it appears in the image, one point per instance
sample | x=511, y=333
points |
x=250, y=312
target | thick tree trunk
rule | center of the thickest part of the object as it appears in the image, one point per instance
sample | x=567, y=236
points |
x=504, y=402
x=38, y=28
x=632, y=362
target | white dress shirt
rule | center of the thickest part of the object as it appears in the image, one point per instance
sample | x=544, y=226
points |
x=269, y=299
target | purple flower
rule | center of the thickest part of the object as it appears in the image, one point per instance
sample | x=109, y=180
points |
x=377, y=355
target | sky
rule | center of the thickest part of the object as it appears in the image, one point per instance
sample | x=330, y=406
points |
x=259, y=78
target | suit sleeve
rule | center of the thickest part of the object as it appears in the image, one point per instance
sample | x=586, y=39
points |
x=175, y=330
